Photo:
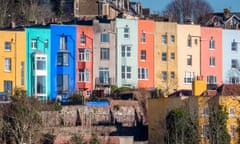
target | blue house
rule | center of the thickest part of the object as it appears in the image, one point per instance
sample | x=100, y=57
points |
x=230, y=58
x=63, y=61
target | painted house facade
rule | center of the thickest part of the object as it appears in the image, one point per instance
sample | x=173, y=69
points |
x=127, y=53
x=211, y=55
x=230, y=57
x=166, y=56
x=146, y=54
x=188, y=55
x=12, y=60
x=84, y=59
x=63, y=60
x=104, y=60
x=38, y=62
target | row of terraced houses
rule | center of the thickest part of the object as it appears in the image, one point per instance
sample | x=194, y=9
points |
x=60, y=59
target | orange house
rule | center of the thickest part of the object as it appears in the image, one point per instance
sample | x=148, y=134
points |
x=84, y=59
x=145, y=53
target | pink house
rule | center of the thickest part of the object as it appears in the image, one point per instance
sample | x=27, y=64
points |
x=211, y=55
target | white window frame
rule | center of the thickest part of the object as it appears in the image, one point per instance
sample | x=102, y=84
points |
x=234, y=46
x=164, y=56
x=63, y=43
x=234, y=64
x=143, y=73
x=211, y=44
x=126, y=72
x=104, y=37
x=211, y=79
x=104, y=53
x=164, y=39
x=232, y=112
x=143, y=37
x=164, y=76
x=189, y=60
x=172, y=56
x=126, y=51
x=7, y=64
x=83, y=75
x=188, y=77
x=82, y=39
x=84, y=54
x=34, y=43
x=126, y=32
x=234, y=80
x=7, y=46
x=143, y=55
x=212, y=61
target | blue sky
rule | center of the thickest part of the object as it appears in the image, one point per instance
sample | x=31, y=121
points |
x=217, y=5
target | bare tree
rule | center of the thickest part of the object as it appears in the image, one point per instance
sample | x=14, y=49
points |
x=4, y=9
x=181, y=10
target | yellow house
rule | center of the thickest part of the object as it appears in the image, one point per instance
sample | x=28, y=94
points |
x=165, y=62
x=12, y=60
x=195, y=105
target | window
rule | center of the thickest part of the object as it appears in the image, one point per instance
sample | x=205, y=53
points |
x=232, y=130
x=143, y=37
x=104, y=54
x=211, y=79
x=164, y=57
x=7, y=64
x=7, y=86
x=172, y=56
x=63, y=59
x=104, y=37
x=63, y=43
x=46, y=44
x=189, y=42
x=212, y=61
x=22, y=73
x=84, y=54
x=172, y=38
x=164, y=39
x=41, y=63
x=62, y=83
x=234, y=80
x=234, y=46
x=189, y=60
x=231, y=111
x=84, y=75
x=126, y=51
x=211, y=43
x=205, y=112
x=143, y=73
x=34, y=43
x=126, y=72
x=143, y=55
x=104, y=75
x=7, y=46
x=172, y=75
x=205, y=131
x=82, y=39
x=41, y=84
x=188, y=77
x=164, y=75
x=234, y=63
x=126, y=32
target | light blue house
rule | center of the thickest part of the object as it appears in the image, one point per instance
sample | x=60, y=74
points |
x=231, y=56
x=38, y=63
x=127, y=52
x=63, y=61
